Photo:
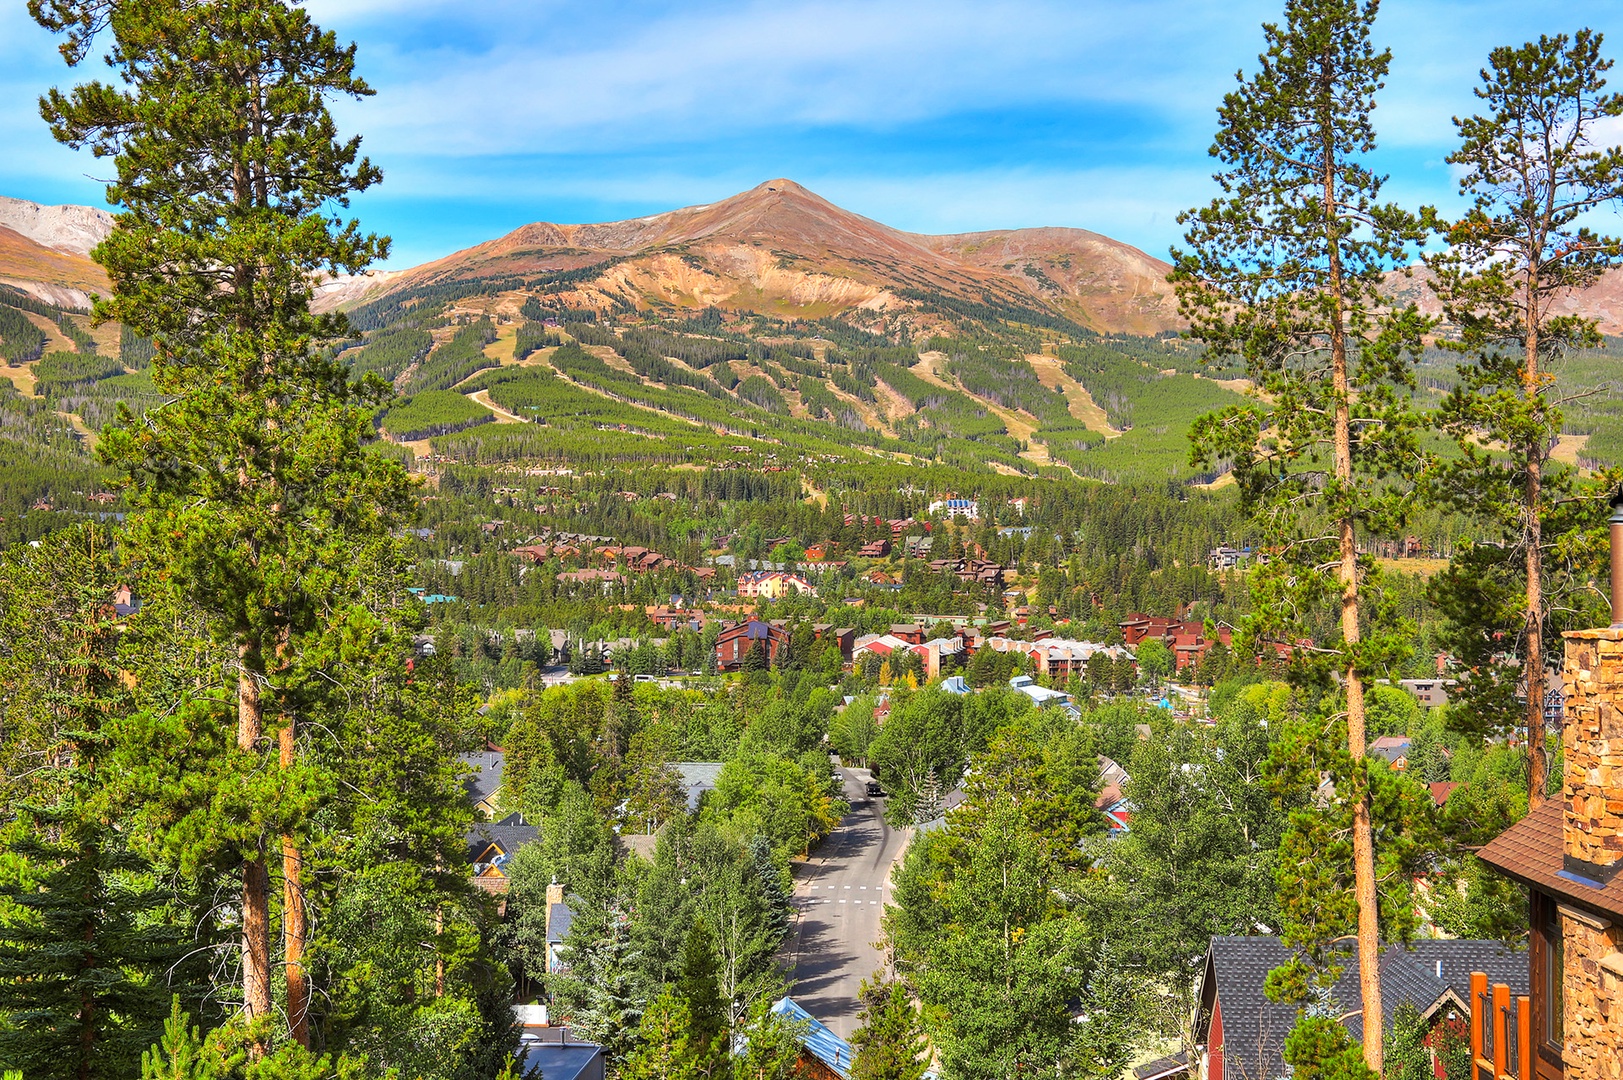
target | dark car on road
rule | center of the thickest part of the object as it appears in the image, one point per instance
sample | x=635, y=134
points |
x=875, y=790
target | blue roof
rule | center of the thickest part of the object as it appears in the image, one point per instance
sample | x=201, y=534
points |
x=826, y=1046
x=955, y=685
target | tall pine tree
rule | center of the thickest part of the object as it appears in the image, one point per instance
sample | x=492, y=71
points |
x=1535, y=167
x=251, y=486
x=1284, y=271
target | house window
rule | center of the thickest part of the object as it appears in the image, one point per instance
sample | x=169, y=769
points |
x=1554, y=973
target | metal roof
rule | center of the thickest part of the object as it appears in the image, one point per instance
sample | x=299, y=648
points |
x=826, y=1046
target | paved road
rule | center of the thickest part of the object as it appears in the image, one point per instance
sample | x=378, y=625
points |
x=840, y=893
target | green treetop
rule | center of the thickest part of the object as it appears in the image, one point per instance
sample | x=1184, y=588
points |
x=1284, y=270
x=251, y=487
x=1535, y=168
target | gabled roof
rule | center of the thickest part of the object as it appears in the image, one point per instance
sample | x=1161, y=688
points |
x=1254, y=1028
x=487, y=774
x=509, y=834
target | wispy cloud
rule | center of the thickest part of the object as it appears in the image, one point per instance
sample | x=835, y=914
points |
x=934, y=115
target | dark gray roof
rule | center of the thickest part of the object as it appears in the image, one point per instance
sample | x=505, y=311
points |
x=510, y=833
x=1167, y=1068
x=554, y=1061
x=559, y=919
x=1254, y=1028
x=487, y=773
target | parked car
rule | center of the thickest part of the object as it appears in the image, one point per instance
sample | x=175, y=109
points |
x=875, y=789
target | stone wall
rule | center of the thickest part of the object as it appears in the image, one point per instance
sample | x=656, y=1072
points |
x=1592, y=743
x=1593, y=992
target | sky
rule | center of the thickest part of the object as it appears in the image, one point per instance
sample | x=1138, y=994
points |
x=929, y=115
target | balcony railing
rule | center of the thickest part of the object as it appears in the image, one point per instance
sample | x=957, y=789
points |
x=1501, y=1032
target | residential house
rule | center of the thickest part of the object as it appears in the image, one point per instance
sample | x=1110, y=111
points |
x=1392, y=749
x=874, y=549
x=773, y=585
x=823, y=1054
x=918, y=547
x=736, y=639
x=1241, y=1034
x=1568, y=852
x=559, y=919
x=492, y=844
x=1223, y=557
x=484, y=784
x=1044, y=697
x=697, y=777
x=1431, y=693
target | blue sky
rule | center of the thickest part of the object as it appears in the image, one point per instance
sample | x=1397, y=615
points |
x=930, y=115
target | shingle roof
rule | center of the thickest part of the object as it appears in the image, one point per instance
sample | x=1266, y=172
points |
x=1254, y=1028
x=510, y=834
x=487, y=773
x=559, y=919
x=1531, y=852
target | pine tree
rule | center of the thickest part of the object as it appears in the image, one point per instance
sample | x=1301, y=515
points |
x=90, y=939
x=251, y=486
x=771, y=1046
x=598, y=991
x=889, y=1043
x=665, y=1041
x=85, y=945
x=778, y=905
x=698, y=987
x=1535, y=167
x=1284, y=270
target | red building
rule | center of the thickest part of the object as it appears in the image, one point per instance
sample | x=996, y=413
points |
x=737, y=639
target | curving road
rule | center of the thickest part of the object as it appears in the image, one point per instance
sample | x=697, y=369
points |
x=840, y=893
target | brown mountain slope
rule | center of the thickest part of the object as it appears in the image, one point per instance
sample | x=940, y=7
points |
x=57, y=277
x=1602, y=301
x=784, y=250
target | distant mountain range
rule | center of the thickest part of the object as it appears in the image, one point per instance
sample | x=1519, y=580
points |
x=782, y=250
x=777, y=249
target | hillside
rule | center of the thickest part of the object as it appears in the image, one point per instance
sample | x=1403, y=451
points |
x=782, y=250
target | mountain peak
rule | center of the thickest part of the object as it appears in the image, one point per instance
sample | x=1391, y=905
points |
x=72, y=230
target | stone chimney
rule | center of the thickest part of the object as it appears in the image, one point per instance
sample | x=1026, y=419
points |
x=1592, y=745
x=1592, y=736
x=555, y=893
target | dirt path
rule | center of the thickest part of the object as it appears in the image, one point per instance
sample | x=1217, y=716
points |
x=1568, y=447
x=501, y=414
x=1017, y=424
x=1052, y=374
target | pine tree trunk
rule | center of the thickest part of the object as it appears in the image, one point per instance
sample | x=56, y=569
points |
x=256, y=987
x=1537, y=762
x=293, y=920
x=1363, y=838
